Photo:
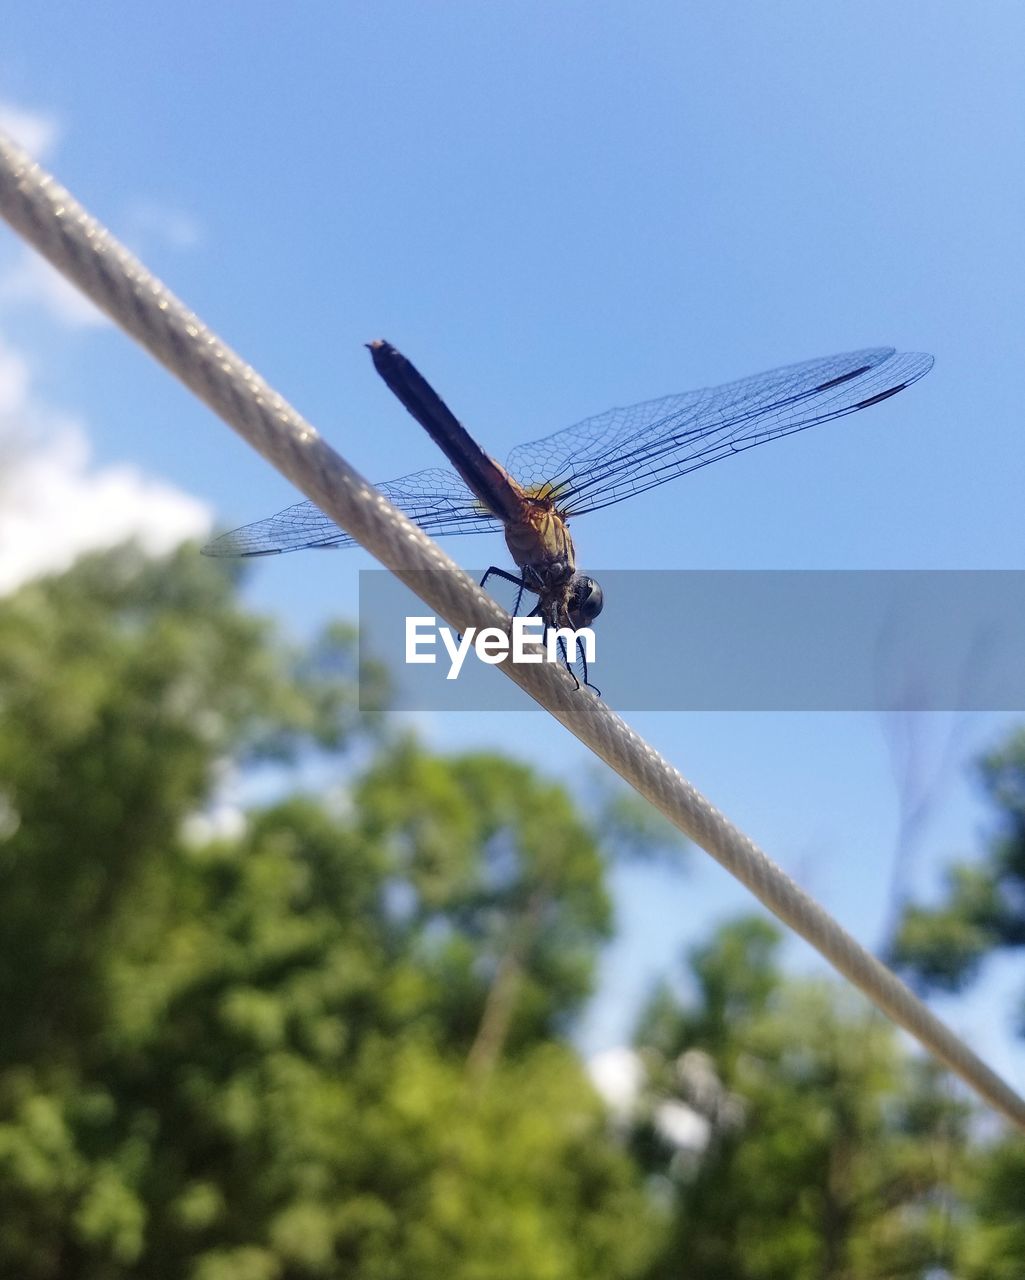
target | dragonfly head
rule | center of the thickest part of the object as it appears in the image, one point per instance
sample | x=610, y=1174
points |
x=585, y=600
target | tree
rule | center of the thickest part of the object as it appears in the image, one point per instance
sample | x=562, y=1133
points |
x=816, y=1149
x=996, y=1192
x=944, y=947
x=506, y=894
x=984, y=909
x=325, y=1044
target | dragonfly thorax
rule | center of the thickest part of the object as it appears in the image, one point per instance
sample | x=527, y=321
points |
x=539, y=541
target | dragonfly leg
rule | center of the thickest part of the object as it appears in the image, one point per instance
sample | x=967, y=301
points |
x=566, y=662
x=587, y=684
x=583, y=662
x=522, y=585
x=519, y=583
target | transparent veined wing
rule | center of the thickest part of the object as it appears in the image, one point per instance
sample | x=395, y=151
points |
x=607, y=458
x=610, y=457
x=435, y=499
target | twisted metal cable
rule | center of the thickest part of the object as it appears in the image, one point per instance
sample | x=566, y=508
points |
x=49, y=218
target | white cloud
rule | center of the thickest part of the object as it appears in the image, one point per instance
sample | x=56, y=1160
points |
x=55, y=504
x=222, y=821
x=682, y=1126
x=149, y=220
x=31, y=279
x=618, y=1075
x=14, y=382
x=36, y=131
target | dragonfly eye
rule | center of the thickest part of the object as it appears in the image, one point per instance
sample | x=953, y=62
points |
x=586, y=600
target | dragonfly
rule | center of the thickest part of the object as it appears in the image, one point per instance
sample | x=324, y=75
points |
x=594, y=464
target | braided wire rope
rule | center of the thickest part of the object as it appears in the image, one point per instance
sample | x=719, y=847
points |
x=74, y=242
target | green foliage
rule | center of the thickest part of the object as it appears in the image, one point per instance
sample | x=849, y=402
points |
x=502, y=877
x=120, y=685
x=984, y=908
x=995, y=1249
x=328, y=1042
x=324, y=1047
x=944, y=947
x=829, y=1151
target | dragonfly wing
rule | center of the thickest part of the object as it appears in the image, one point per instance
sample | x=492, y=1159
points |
x=626, y=451
x=435, y=499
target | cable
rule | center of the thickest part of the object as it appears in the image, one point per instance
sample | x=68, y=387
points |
x=41, y=211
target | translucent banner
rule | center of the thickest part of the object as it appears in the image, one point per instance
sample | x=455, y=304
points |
x=688, y=640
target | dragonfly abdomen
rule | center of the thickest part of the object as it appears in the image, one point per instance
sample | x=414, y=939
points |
x=489, y=481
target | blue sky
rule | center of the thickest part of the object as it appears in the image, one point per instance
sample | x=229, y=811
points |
x=555, y=208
